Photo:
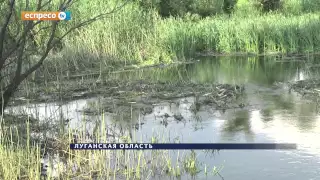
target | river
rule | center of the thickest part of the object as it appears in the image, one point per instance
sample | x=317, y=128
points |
x=272, y=114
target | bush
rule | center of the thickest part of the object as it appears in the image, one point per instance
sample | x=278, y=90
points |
x=204, y=8
x=268, y=5
x=300, y=6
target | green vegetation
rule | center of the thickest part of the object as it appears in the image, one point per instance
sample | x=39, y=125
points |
x=145, y=33
x=23, y=160
x=138, y=34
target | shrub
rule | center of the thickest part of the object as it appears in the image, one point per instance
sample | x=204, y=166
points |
x=204, y=8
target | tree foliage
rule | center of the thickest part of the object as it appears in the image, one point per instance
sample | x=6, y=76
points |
x=25, y=45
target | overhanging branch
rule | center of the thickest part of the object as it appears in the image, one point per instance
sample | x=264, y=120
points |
x=21, y=48
x=91, y=20
x=3, y=30
x=52, y=43
x=18, y=43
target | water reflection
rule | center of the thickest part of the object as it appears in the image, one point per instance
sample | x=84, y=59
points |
x=240, y=122
x=258, y=74
x=263, y=71
x=271, y=114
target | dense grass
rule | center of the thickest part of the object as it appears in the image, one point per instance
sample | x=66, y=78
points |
x=300, y=6
x=139, y=35
x=269, y=33
x=20, y=157
x=136, y=36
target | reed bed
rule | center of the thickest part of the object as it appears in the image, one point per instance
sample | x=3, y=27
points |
x=135, y=36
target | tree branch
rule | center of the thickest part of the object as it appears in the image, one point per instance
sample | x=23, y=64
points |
x=21, y=43
x=39, y=5
x=18, y=43
x=50, y=45
x=3, y=31
x=44, y=5
x=89, y=21
x=28, y=26
x=65, y=5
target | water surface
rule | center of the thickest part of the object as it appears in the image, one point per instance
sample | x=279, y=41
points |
x=272, y=115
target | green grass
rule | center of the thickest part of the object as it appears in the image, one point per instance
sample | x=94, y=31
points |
x=265, y=34
x=21, y=157
x=140, y=36
x=19, y=162
x=133, y=36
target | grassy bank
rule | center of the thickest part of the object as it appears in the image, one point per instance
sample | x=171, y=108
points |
x=22, y=156
x=136, y=36
x=264, y=34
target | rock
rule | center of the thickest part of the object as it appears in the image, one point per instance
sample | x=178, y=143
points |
x=66, y=121
x=166, y=115
x=178, y=117
x=241, y=105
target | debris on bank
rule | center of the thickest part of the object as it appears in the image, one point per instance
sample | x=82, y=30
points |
x=310, y=87
x=124, y=96
x=143, y=96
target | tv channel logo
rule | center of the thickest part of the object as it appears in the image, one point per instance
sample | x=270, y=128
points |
x=45, y=16
x=64, y=15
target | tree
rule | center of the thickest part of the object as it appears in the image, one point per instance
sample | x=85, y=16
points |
x=25, y=45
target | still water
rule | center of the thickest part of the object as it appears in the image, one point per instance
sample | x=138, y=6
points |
x=272, y=115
